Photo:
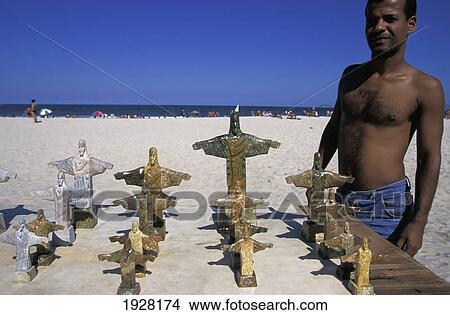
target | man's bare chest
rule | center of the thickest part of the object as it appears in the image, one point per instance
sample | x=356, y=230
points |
x=379, y=104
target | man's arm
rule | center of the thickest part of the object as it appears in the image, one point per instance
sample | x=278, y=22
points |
x=429, y=137
x=330, y=135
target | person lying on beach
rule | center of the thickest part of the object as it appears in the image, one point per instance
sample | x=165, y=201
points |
x=380, y=105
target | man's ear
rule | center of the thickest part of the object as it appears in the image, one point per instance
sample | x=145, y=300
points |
x=412, y=24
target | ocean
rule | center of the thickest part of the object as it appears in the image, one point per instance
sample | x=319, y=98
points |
x=84, y=111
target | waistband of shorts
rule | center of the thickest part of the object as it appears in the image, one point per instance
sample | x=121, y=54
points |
x=400, y=185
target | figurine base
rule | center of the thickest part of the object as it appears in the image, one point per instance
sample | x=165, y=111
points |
x=366, y=290
x=140, y=271
x=84, y=218
x=129, y=291
x=25, y=276
x=246, y=281
x=344, y=270
x=310, y=230
x=161, y=230
x=46, y=259
x=330, y=252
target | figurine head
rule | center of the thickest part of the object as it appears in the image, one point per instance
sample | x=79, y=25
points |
x=82, y=148
x=40, y=214
x=22, y=225
x=135, y=226
x=61, y=179
x=346, y=228
x=365, y=243
x=153, y=156
x=235, y=127
x=317, y=161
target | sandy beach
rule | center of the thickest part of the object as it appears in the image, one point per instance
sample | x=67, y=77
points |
x=190, y=260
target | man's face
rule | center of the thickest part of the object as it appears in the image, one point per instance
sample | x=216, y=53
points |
x=387, y=26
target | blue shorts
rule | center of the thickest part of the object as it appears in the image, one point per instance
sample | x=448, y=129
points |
x=385, y=210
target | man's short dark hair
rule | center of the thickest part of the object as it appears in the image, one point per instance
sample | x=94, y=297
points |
x=410, y=8
x=32, y=101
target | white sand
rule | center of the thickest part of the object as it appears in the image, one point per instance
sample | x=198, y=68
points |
x=183, y=263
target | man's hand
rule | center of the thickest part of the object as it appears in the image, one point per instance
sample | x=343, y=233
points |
x=411, y=238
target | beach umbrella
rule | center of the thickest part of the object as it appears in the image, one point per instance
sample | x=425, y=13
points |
x=97, y=114
x=45, y=112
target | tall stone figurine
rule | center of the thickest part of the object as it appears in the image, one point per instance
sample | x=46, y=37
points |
x=235, y=147
x=360, y=285
x=316, y=181
x=61, y=195
x=245, y=276
x=23, y=240
x=83, y=168
x=153, y=178
x=4, y=177
x=42, y=227
x=128, y=258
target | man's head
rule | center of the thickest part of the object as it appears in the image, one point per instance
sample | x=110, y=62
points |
x=82, y=147
x=153, y=156
x=33, y=101
x=388, y=23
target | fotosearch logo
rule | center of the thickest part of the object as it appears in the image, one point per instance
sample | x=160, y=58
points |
x=192, y=205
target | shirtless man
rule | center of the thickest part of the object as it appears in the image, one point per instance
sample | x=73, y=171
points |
x=380, y=105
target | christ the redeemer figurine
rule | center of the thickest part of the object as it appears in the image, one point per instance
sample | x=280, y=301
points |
x=316, y=181
x=23, y=240
x=235, y=147
x=83, y=168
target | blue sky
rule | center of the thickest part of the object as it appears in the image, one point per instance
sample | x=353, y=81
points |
x=251, y=52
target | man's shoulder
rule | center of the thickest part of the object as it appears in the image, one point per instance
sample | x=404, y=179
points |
x=351, y=69
x=424, y=82
x=429, y=88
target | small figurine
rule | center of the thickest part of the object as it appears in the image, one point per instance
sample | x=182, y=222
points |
x=42, y=227
x=140, y=243
x=128, y=258
x=246, y=277
x=331, y=245
x=61, y=195
x=360, y=285
x=83, y=168
x=23, y=240
x=235, y=147
x=316, y=181
x=152, y=178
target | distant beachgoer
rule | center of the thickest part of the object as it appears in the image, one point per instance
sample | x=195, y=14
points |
x=33, y=111
x=380, y=105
